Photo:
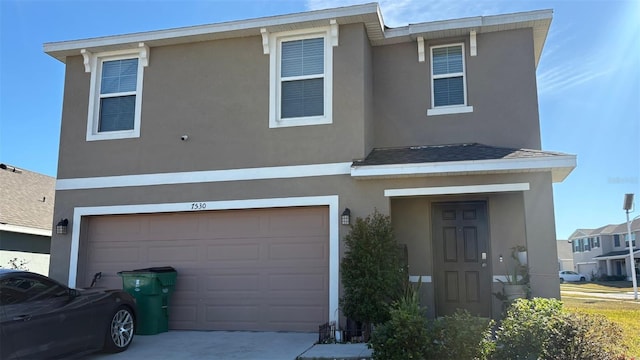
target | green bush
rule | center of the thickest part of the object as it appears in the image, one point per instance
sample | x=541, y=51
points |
x=372, y=273
x=584, y=337
x=526, y=328
x=404, y=336
x=461, y=336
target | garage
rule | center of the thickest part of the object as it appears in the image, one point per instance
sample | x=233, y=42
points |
x=256, y=269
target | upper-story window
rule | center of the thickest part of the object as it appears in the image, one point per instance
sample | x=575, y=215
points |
x=633, y=240
x=576, y=245
x=301, y=78
x=616, y=240
x=448, y=80
x=587, y=244
x=596, y=242
x=115, y=101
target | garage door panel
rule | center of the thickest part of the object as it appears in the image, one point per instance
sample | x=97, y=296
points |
x=233, y=252
x=309, y=250
x=237, y=270
x=222, y=283
x=297, y=282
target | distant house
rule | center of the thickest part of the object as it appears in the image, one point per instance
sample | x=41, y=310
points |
x=26, y=217
x=605, y=250
x=565, y=255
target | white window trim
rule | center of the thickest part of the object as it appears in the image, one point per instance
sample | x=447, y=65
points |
x=275, y=41
x=93, y=63
x=449, y=109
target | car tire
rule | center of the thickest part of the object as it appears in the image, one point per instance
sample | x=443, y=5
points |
x=583, y=279
x=120, y=330
x=561, y=280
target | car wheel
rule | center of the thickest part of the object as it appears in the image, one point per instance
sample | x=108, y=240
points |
x=561, y=280
x=120, y=330
x=583, y=279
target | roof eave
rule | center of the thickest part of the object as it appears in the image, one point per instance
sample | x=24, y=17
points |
x=366, y=13
x=560, y=167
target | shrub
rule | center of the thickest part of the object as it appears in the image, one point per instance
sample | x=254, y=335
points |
x=525, y=329
x=461, y=336
x=404, y=336
x=371, y=270
x=584, y=337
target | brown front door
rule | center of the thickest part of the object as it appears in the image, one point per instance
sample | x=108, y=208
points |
x=460, y=242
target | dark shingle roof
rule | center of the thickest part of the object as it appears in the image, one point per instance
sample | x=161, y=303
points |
x=27, y=198
x=447, y=153
x=617, y=253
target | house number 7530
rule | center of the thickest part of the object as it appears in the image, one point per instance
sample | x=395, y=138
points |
x=198, y=206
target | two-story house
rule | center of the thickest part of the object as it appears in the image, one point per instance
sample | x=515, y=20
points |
x=605, y=251
x=238, y=153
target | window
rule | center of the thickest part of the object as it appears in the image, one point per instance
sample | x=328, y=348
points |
x=616, y=240
x=448, y=80
x=27, y=288
x=116, y=94
x=633, y=240
x=587, y=243
x=596, y=242
x=576, y=245
x=301, y=78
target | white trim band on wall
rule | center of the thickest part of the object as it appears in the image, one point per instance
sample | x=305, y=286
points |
x=332, y=201
x=259, y=173
x=450, y=190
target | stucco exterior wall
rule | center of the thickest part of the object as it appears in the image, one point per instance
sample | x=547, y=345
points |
x=217, y=93
x=501, y=87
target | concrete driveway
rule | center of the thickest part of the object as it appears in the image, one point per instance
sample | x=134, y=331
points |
x=231, y=345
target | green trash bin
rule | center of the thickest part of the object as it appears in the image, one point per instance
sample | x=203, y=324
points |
x=152, y=288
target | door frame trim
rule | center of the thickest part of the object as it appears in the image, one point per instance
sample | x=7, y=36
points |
x=332, y=201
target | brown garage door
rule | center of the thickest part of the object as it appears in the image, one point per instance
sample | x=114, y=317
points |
x=262, y=269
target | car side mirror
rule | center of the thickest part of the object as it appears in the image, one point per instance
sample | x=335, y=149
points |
x=73, y=293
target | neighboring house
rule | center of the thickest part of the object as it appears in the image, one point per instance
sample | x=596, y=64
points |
x=26, y=216
x=251, y=138
x=565, y=255
x=605, y=250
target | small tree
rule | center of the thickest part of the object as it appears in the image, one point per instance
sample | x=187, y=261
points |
x=372, y=273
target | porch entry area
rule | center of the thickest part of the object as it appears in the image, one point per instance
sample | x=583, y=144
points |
x=462, y=275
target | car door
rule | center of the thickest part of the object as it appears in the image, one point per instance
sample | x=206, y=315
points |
x=32, y=320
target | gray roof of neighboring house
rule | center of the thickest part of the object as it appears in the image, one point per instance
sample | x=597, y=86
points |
x=27, y=198
x=447, y=153
x=610, y=229
x=618, y=253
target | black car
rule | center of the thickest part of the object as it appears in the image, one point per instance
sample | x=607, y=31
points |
x=41, y=318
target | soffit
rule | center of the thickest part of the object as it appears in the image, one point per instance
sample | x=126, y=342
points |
x=367, y=14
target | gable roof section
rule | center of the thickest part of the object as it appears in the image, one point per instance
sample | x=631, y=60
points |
x=27, y=201
x=461, y=159
x=368, y=14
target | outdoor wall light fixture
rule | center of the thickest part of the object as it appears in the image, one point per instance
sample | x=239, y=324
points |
x=345, y=218
x=61, y=227
x=500, y=258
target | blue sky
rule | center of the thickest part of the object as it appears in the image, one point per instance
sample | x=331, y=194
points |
x=588, y=79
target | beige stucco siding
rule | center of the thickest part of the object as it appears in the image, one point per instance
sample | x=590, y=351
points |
x=218, y=95
x=501, y=87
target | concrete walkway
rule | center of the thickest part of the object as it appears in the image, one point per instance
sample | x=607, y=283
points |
x=235, y=345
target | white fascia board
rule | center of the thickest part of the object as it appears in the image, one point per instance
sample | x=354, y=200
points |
x=452, y=190
x=241, y=25
x=25, y=230
x=479, y=166
x=276, y=172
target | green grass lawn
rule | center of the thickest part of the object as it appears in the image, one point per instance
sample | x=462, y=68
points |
x=625, y=313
